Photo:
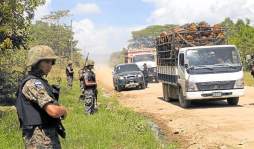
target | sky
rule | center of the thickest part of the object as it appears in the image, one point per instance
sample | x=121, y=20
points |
x=104, y=26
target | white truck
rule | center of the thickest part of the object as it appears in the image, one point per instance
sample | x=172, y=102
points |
x=142, y=56
x=199, y=68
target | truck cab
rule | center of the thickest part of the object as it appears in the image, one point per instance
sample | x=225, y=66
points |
x=209, y=72
x=142, y=56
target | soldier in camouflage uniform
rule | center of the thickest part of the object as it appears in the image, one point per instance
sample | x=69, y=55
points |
x=69, y=73
x=37, y=109
x=145, y=73
x=90, y=88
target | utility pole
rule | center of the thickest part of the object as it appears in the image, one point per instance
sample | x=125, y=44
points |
x=71, y=44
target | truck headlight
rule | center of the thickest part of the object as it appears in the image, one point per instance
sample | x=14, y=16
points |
x=239, y=84
x=140, y=76
x=191, y=86
x=121, y=78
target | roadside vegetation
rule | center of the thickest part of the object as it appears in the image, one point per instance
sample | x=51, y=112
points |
x=111, y=127
x=248, y=79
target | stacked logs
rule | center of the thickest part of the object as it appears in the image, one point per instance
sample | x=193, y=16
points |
x=194, y=34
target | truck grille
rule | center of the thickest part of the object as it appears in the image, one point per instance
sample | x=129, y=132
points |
x=218, y=85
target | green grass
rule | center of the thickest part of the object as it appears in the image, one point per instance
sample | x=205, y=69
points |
x=248, y=79
x=112, y=127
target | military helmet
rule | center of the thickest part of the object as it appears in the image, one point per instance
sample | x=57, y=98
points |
x=38, y=53
x=69, y=62
x=90, y=63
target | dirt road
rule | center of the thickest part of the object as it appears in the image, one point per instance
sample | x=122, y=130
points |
x=205, y=125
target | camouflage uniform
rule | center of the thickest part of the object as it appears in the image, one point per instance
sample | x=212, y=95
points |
x=39, y=137
x=34, y=94
x=90, y=93
x=69, y=74
x=145, y=73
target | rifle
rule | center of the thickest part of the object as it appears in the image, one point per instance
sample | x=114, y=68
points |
x=86, y=58
x=60, y=128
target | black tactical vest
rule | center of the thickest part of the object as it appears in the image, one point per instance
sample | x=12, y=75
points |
x=29, y=113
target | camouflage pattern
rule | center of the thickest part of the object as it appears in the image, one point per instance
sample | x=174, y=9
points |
x=69, y=74
x=69, y=81
x=36, y=92
x=40, y=137
x=89, y=102
x=145, y=73
x=38, y=53
x=89, y=94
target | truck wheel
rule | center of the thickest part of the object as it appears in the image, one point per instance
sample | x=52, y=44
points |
x=118, y=88
x=233, y=101
x=182, y=101
x=143, y=86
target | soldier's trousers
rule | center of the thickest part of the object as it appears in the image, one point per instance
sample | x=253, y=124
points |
x=89, y=101
x=69, y=81
x=38, y=138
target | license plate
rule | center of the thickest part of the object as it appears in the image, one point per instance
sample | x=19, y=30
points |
x=217, y=94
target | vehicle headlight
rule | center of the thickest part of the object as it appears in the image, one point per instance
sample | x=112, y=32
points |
x=191, y=86
x=121, y=78
x=239, y=84
x=140, y=75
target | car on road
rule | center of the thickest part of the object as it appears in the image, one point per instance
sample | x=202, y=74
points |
x=127, y=76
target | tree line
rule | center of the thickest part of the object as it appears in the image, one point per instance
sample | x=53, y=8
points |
x=18, y=33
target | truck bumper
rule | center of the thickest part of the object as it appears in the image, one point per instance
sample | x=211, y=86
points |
x=132, y=85
x=217, y=94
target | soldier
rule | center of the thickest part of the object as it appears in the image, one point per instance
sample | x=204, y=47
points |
x=90, y=88
x=145, y=73
x=37, y=107
x=252, y=69
x=69, y=73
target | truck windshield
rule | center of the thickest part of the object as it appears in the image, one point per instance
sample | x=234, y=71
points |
x=144, y=57
x=216, y=56
x=213, y=59
x=127, y=68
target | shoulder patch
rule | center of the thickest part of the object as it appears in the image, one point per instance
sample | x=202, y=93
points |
x=38, y=84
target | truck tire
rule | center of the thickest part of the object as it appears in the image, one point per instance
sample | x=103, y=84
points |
x=143, y=86
x=164, y=91
x=233, y=101
x=118, y=88
x=182, y=101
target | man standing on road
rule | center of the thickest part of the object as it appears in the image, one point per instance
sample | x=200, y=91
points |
x=90, y=88
x=69, y=74
x=252, y=69
x=37, y=107
x=145, y=73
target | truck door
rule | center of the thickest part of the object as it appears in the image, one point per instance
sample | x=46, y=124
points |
x=181, y=71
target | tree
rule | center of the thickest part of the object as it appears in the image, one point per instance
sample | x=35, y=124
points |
x=16, y=16
x=15, y=21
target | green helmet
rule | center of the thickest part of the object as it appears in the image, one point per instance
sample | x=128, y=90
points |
x=38, y=53
x=90, y=63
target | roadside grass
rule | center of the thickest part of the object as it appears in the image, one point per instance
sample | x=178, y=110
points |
x=112, y=127
x=248, y=79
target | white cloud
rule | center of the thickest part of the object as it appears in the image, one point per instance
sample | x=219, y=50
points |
x=212, y=11
x=87, y=8
x=100, y=41
x=42, y=10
